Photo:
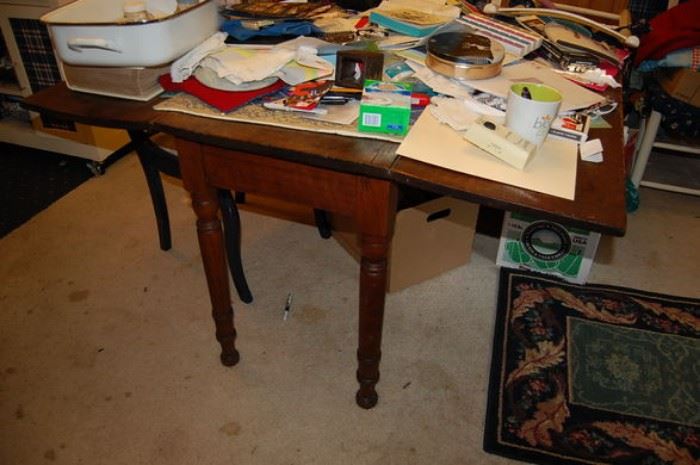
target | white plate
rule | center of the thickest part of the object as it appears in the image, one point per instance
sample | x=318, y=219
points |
x=209, y=78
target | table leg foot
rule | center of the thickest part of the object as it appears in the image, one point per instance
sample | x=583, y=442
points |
x=226, y=335
x=368, y=376
x=230, y=359
x=366, y=398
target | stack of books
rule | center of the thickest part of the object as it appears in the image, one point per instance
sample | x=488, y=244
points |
x=408, y=21
x=515, y=40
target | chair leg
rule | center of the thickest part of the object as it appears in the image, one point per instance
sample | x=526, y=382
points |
x=154, y=160
x=322, y=223
x=155, y=186
x=651, y=127
x=320, y=217
x=232, y=236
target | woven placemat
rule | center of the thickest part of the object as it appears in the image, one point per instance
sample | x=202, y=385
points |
x=257, y=114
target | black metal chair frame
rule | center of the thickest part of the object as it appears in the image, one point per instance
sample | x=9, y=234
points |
x=156, y=160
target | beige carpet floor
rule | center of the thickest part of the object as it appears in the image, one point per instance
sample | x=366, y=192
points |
x=108, y=356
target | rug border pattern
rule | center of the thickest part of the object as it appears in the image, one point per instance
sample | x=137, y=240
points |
x=493, y=440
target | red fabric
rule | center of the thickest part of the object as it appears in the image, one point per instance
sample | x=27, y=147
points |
x=673, y=29
x=221, y=99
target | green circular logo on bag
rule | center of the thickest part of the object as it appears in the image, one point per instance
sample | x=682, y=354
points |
x=546, y=241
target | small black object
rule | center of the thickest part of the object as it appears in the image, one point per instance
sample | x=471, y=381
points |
x=353, y=67
x=335, y=100
x=358, y=5
x=489, y=125
x=526, y=93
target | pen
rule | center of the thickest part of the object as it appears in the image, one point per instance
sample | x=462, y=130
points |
x=287, y=306
x=335, y=99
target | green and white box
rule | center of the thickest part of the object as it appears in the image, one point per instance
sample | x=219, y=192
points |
x=546, y=247
x=385, y=107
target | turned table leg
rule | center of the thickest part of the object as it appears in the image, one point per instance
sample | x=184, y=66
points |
x=373, y=281
x=211, y=243
x=375, y=217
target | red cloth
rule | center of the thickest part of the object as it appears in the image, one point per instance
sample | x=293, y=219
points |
x=673, y=29
x=223, y=100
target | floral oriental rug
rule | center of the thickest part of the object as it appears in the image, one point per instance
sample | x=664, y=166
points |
x=593, y=375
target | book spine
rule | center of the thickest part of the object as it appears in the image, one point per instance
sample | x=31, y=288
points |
x=515, y=31
x=400, y=26
x=496, y=28
x=574, y=136
x=515, y=42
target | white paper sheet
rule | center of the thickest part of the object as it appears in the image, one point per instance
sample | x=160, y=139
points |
x=592, y=151
x=552, y=171
x=338, y=114
x=574, y=97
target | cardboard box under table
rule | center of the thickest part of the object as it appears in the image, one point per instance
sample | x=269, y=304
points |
x=546, y=247
x=682, y=84
x=429, y=239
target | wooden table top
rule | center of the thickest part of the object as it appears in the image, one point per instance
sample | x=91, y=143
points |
x=599, y=204
x=59, y=101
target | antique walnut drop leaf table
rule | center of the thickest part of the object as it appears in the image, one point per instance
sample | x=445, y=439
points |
x=356, y=177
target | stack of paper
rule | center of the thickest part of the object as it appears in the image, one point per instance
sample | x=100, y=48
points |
x=574, y=97
x=552, y=171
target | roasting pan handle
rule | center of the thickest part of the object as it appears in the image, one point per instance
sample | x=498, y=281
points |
x=78, y=44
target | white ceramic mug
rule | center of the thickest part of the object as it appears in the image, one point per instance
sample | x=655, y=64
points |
x=530, y=110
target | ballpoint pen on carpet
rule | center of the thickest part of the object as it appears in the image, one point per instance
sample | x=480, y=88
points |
x=287, y=306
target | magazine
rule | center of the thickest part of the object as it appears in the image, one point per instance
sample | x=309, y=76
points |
x=304, y=97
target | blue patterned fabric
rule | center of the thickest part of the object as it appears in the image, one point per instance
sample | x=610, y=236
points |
x=678, y=118
x=646, y=9
x=235, y=29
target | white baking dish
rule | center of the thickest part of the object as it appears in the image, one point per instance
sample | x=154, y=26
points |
x=93, y=33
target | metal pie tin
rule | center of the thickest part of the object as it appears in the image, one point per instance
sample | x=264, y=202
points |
x=463, y=55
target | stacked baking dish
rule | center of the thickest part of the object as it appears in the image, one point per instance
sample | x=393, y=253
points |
x=91, y=37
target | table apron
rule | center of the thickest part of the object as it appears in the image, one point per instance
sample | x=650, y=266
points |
x=295, y=182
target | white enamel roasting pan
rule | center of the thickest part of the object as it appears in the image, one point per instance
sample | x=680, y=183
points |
x=92, y=33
